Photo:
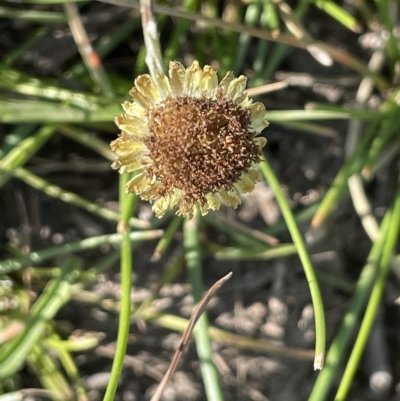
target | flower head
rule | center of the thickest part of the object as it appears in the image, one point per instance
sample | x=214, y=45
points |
x=192, y=141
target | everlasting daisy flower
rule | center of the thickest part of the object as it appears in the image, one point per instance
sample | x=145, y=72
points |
x=192, y=141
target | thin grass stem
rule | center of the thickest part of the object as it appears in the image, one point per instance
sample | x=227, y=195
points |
x=56, y=294
x=306, y=262
x=127, y=205
x=201, y=334
x=89, y=56
x=21, y=153
x=339, y=186
x=69, y=197
x=389, y=244
x=166, y=238
x=339, y=14
x=9, y=265
x=339, y=345
x=49, y=374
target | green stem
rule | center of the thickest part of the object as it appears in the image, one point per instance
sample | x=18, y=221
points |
x=305, y=260
x=201, y=332
x=57, y=293
x=71, y=198
x=166, y=238
x=339, y=344
x=127, y=204
x=389, y=244
x=36, y=257
x=21, y=153
x=339, y=186
x=124, y=316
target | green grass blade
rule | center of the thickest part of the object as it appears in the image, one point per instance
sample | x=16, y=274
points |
x=38, y=16
x=21, y=153
x=339, y=185
x=306, y=262
x=18, y=51
x=63, y=350
x=56, y=294
x=28, y=111
x=339, y=14
x=16, y=136
x=389, y=245
x=69, y=197
x=166, y=238
x=339, y=344
x=90, y=57
x=251, y=18
x=89, y=140
x=18, y=82
x=385, y=10
x=241, y=233
x=106, y=44
x=203, y=344
x=127, y=205
x=389, y=129
x=259, y=253
x=9, y=265
x=177, y=323
x=49, y=374
x=174, y=268
x=330, y=113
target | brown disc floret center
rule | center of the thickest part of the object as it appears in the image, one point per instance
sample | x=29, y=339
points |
x=199, y=145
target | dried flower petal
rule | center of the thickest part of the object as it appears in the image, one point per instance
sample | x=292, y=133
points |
x=191, y=140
